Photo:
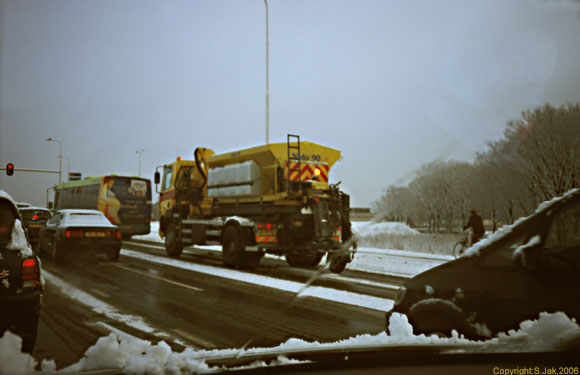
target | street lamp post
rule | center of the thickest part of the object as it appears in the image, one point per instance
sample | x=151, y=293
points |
x=267, y=79
x=67, y=166
x=139, y=153
x=59, y=157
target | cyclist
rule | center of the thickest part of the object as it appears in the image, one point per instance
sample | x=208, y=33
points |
x=476, y=224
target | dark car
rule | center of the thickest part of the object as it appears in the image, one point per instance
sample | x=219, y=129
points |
x=529, y=267
x=20, y=281
x=34, y=219
x=79, y=233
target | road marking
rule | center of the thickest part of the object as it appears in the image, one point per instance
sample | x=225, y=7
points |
x=105, y=329
x=362, y=281
x=195, y=289
x=100, y=293
x=158, y=247
x=196, y=340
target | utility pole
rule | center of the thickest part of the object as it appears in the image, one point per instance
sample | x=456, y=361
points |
x=139, y=153
x=267, y=79
x=59, y=157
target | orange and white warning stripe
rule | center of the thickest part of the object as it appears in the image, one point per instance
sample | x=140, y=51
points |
x=262, y=239
x=308, y=171
x=337, y=234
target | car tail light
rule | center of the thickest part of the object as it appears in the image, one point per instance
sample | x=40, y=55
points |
x=34, y=217
x=265, y=225
x=30, y=274
x=73, y=234
x=114, y=234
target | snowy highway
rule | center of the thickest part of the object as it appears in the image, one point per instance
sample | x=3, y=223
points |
x=194, y=301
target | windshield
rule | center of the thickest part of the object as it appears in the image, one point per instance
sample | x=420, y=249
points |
x=86, y=219
x=35, y=215
x=129, y=188
x=330, y=174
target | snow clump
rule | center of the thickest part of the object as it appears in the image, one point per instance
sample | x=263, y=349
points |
x=18, y=240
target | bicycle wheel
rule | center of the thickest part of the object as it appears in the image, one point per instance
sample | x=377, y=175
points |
x=459, y=248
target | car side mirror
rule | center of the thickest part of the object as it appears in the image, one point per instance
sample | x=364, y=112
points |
x=157, y=178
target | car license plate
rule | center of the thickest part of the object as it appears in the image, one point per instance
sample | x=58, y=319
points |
x=35, y=225
x=95, y=234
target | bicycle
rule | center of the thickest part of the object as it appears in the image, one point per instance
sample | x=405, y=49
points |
x=461, y=245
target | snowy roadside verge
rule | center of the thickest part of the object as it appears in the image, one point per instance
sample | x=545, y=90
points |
x=99, y=306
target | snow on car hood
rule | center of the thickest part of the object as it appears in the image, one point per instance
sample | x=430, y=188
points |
x=475, y=249
x=131, y=355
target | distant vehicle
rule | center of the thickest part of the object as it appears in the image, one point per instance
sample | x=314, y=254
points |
x=79, y=233
x=20, y=286
x=125, y=201
x=34, y=219
x=522, y=270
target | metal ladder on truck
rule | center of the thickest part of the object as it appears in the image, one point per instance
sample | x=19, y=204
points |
x=297, y=167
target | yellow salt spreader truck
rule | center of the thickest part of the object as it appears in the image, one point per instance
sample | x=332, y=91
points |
x=273, y=198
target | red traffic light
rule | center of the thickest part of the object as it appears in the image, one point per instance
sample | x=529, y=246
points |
x=9, y=169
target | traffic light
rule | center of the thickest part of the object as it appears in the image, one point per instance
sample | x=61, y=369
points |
x=9, y=169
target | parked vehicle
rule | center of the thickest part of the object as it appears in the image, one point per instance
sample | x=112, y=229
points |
x=529, y=267
x=20, y=281
x=79, y=233
x=34, y=219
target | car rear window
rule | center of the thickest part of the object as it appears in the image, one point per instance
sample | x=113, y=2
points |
x=6, y=222
x=87, y=218
x=32, y=215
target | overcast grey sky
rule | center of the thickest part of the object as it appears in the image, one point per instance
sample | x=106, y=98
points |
x=392, y=84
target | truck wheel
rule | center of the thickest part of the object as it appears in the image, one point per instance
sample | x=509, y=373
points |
x=296, y=259
x=233, y=251
x=172, y=246
x=337, y=264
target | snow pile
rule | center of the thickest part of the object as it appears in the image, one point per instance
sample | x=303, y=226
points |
x=18, y=240
x=136, y=356
x=399, y=236
x=363, y=229
x=550, y=332
x=13, y=361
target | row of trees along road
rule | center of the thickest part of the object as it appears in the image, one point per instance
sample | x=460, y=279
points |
x=537, y=158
